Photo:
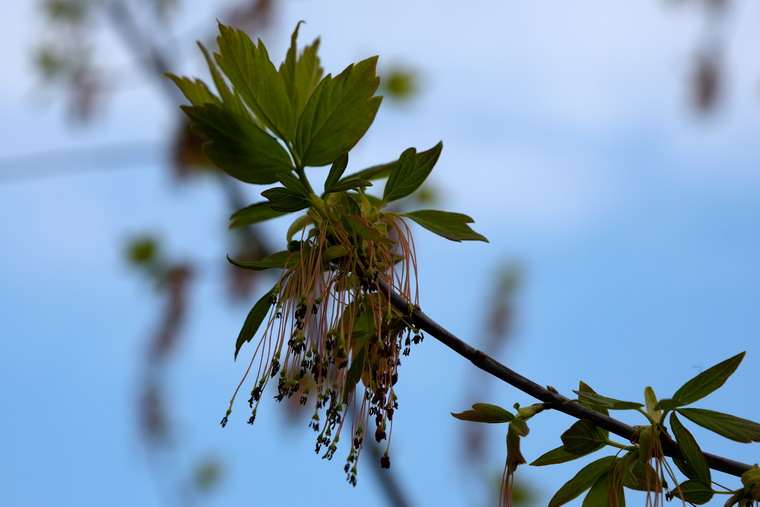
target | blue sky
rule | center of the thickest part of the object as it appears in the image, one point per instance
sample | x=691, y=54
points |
x=568, y=137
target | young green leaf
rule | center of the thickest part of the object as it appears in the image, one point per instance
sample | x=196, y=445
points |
x=285, y=200
x=485, y=413
x=255, y=78
x=300, y=74
x=555, y=456
x=350, y=184
x=729, y=426
x=254, y=319
x=195, y=90
x=229, y=99
x=293, y=184
x=337, y=115
x=695, y=492
x=584, y=387
x=452, y=226
x=237, y=146
x=517, y=428
x=298, y=225
x=410, y=172
x=583, y=438
x=693, y=459
x=354, y=373
x=640, y=476
x=276, y=260
x=707, y=381
x=336, y=171
x=582, y=481
x=605, y=493
x=594, y=400
x=376, y=172
x=253, y=214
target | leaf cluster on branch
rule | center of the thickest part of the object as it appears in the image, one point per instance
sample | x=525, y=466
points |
x=345, y=307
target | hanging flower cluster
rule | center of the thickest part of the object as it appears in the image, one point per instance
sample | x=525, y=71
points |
x=330, y=334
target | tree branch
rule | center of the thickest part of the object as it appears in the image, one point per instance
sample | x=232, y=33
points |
x=550, y=397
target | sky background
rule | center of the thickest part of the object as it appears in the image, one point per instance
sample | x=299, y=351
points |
x=568, y=136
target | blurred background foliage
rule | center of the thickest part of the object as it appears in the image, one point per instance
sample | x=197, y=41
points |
x=72, y=68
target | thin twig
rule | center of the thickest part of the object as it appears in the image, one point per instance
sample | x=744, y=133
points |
x=550, y=397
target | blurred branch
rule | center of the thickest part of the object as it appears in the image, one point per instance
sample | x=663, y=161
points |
x=550, y=397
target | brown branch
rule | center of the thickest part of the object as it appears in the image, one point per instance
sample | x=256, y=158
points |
x=550, y=397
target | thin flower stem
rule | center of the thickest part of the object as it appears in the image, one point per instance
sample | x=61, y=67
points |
x=549, y=396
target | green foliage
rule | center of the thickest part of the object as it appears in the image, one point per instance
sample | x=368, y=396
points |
x=642, y=466
x=485, y=413
x=328, y=326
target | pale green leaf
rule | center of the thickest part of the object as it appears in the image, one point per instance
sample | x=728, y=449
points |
x=337, y=115
x=452, y=226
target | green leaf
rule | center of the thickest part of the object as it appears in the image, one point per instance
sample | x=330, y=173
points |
x=300, y=74
x=334, y=252
x=729, y=426
x=485, y=413
x=229, y=98
x=336, y=171
x=237, y=146
x=253, y=214
x=605, y=494
x=584, y=387
x=195, y=90
x=692, y=491
x=582, y=481
x=256, y=79
x=375, y=172
x=276, y=260
x=254, y=319
x=285, y=200
x=449, y=225
x=410, y=172
x=641, y=476
x=298, y=225
x=583, y=438
x=364, y=230
x=668, y=404
x=337, y=115
x=354, y=373
x=693, y=459
x=350, y=184
x=707, y=381
x=555, y=456
x=517, y=428
x=594, y=401
x=293, y=184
